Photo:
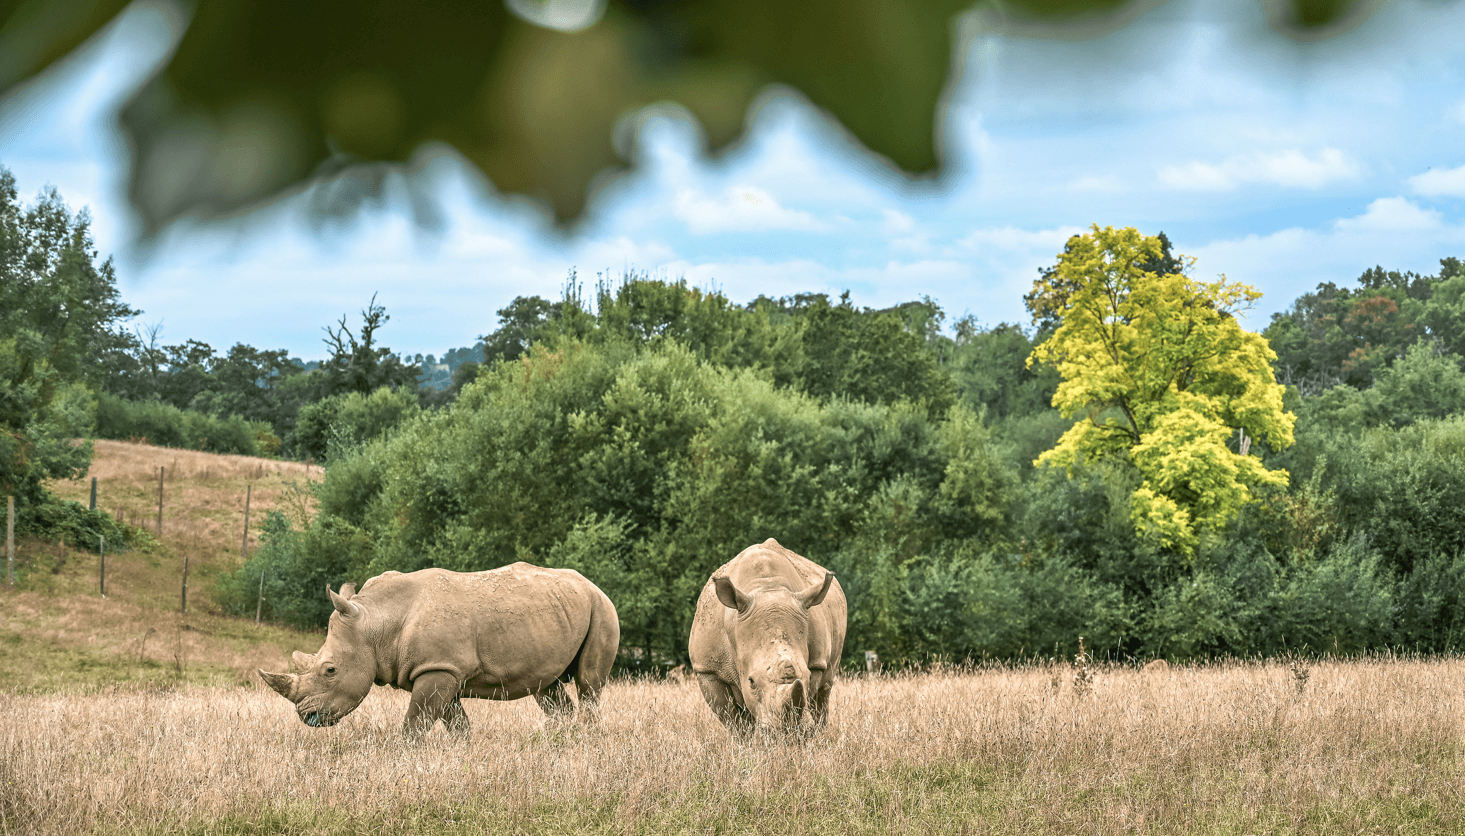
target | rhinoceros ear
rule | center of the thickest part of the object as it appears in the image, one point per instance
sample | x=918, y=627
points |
x=283, y=683
x=343, y=603
x=302, y=660
x=812, y=596
x=730, y=596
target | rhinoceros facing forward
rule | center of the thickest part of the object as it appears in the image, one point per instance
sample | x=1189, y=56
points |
x=766, y=640
x=513, y=632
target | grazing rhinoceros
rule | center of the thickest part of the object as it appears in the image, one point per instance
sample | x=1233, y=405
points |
x=766, y=640
x=503, y=634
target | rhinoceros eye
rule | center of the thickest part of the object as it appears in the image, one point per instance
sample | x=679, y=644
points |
x=330, y=670
x=751, y=684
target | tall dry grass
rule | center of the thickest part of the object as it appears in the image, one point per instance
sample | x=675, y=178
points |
x=1369, y=746
x=203, y=493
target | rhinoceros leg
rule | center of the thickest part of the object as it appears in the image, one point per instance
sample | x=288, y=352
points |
x=597, y=656
x=455, y=719
x=819, y=709
x=434, y=697
x=719, y=696
x=555, y=701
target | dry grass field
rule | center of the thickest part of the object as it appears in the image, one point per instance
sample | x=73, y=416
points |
x=58, y=633
x=1369, y=746
x=203, y=493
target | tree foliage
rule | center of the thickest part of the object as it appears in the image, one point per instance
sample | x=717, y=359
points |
x=357, y=363
x=653, y=430
x=1349, y=335
x=60, y=315
x=1162, y=376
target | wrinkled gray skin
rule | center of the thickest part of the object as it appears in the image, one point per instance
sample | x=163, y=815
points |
x=513, y=632
x=766, y=641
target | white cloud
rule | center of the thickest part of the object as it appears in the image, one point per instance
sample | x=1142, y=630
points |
x=622, y=253
x=1291, y=168
x=1449, y=182
x=872, y=285
x=1010, y=238
x=740, y=209
x=1392, y=232
x=1392, y=214
x=897, y=222
x=1094, y=183
x=903, y=234
x=1200, y=177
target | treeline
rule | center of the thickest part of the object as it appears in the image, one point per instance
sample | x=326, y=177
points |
x=647, y=436
x=246, y=400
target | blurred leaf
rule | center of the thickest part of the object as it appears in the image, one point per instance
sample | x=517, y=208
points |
x=261, y=97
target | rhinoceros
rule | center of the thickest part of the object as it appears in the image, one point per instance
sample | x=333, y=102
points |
x=766, y=640
x=512, y=632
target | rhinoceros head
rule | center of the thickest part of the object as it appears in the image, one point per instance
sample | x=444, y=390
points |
x=771, y=632
x=331, y=683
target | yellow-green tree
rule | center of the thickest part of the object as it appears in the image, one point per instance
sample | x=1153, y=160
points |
x=1164, y=378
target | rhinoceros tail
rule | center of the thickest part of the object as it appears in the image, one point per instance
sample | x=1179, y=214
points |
x=592, y=663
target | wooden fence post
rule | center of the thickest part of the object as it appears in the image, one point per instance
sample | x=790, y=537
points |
x=10, y=539
x=244, y=544
x=160, y=502
x=94, y=493
x=185, y=583
x=261, y=603
x=102, y=572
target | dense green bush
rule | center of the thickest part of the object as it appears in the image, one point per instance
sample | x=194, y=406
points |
x=80, y=527
x=291, y=570
x=646, y=470
x=1429, y=613
x=168, y=426
x=335, y=425
x=1401, y=488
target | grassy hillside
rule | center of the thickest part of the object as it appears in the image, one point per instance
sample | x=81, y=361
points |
x=57, y=633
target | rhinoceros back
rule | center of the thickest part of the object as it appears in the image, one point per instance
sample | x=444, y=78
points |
x=502, y=633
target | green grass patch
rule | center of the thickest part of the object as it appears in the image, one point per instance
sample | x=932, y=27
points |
x=954, y=797
x=39, y=665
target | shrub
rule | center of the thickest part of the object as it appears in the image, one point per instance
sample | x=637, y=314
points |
x=53, y=519
x=168, y=426
x=335, y=425
x=294, y=567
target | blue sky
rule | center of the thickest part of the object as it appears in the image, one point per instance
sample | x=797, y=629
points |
x=1280, y=164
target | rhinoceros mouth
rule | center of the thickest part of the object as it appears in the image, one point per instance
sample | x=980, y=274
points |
x=319, y=719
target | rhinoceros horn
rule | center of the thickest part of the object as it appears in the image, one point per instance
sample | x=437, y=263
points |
x=343, y=603
x=796, y=696
x=283, y=683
